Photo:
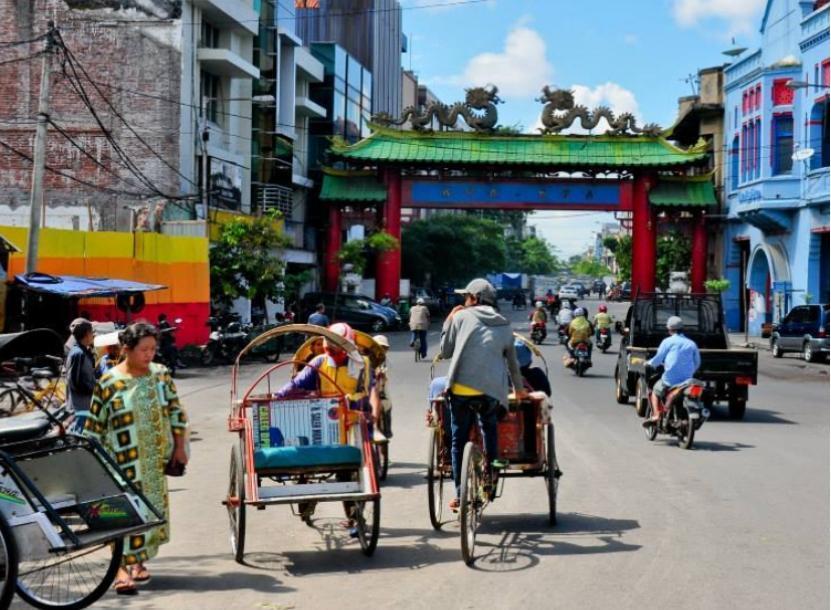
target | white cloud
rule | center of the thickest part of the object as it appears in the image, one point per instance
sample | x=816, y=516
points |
x=740, y=15
x=609, y=94
x=520, y=69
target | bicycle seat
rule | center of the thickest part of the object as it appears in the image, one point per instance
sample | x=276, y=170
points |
x=23, y=427
x=42, y=374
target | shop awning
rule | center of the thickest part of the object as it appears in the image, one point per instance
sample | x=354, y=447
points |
x=684, y=192
x=71, y=286
x=352, y=187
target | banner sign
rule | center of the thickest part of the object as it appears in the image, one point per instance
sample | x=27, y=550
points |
x=536, y=194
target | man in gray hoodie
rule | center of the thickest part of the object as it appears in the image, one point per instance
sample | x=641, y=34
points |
x=479, y=343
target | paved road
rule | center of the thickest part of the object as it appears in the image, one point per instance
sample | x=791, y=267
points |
x=740, y=521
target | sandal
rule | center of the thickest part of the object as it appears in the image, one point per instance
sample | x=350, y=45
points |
x=125, y=586
x=140, y=574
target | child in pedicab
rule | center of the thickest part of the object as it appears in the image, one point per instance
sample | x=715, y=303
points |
x=381, y=381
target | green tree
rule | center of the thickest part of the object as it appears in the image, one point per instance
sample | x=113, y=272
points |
x=623, y=257
x=246, y=260
x=590, y=268
x=531, y=255
x=452, y=249
x=610, y=242
x=357, y=251
x=674, y=254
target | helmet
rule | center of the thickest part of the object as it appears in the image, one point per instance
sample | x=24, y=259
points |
x=523, y=353
x=419, y=301
x=381, y=340
x=344, y=330
x=538, y=304
x=675, y=323
x=566, y=305
x=579, y=312
x=601, y=308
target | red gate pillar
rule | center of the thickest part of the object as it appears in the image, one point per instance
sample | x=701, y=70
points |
x=388, y=264
x=698, y=266
x=644, y=230
x=331, y=264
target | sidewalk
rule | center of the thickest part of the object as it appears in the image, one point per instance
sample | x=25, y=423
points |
x=738, y=340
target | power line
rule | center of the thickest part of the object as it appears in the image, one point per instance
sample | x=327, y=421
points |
x=15, y=43
x=296, y=17
x=24, y=58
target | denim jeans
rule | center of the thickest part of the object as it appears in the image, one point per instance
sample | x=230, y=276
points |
x=463, y=412
x=421, y=335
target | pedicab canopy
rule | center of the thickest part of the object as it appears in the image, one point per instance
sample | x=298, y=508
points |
x=33, y=344
x=364, y=342
x=72, y=286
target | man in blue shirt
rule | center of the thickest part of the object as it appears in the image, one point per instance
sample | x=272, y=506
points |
x=319, y=317
x=681, y=359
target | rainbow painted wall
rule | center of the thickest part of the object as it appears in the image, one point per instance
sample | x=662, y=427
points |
x=180, y=263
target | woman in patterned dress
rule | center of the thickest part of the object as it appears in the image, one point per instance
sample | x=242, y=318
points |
x=136, y=415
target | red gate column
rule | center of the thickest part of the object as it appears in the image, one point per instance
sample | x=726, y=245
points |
x=388, y=264
x=331, y=264
x=698, y=266
x=644, y=231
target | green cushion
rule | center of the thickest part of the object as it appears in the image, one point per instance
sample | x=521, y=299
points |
x=306, y=456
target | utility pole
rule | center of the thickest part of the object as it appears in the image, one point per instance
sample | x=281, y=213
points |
x=39, y=160
x=206, y=134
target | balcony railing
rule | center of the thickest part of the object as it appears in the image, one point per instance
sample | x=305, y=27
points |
x=273, y=197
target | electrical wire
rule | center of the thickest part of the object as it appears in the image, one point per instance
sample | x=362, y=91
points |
x=295, y=18
x=15, y=43
x=25, y=58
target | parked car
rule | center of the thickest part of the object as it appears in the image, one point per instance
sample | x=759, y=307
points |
x=581, y=289
x=804, y=329
x=357, y=310
x=569, y=292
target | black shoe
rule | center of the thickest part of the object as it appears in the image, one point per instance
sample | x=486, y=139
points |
x=649, y=422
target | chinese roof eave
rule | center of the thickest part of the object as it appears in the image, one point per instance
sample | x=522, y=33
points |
x=684, y=192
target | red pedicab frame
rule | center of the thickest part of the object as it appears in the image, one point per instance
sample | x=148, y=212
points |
x=245, y=487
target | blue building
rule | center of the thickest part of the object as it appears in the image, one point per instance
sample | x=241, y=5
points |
x=776, y=167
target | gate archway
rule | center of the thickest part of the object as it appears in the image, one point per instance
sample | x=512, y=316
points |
x=635, y=175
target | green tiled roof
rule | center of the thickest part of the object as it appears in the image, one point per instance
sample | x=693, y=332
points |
x=691, y=192
x=358, y=186
x=468, y=148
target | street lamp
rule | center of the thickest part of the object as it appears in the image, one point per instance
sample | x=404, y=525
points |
x=801, y=84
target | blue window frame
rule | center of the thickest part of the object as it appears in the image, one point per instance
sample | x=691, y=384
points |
x=734, y=164
x=782, y=144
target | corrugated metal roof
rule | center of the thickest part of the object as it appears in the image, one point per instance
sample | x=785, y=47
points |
x=691, y=192
x=352, y=187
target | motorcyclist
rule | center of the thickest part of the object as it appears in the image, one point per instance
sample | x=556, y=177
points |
x=602, y=319
x=579, y=331
x=355, y=379
x=167, y=343
x=565, y=315
x=680, y=357
x=539, y=318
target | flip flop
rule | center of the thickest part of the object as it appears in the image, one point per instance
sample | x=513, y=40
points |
x=125, y=587
x=141, y=575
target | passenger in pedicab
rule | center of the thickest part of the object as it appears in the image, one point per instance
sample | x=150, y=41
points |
x=382, y=379
x=534, y=377
x=356, y=380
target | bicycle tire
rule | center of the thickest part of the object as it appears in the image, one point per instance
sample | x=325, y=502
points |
x=435, y=480
x=470, y=500
x=36, y=594
x=9, y=557
x=12, y=401
x=236, y=514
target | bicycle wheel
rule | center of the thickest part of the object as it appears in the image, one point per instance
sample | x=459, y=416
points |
x=367, y=516
x=552, y=475
x=470, y=508
x=435, y=480
x=8, y=563
x=69, y=580
x=236, y=504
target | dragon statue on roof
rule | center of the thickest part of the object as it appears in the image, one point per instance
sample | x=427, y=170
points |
x=478, y=111
x=560, y=112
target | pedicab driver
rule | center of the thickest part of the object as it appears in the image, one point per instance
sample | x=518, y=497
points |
x=681, y=359
x=356, y=380
x=479, y=343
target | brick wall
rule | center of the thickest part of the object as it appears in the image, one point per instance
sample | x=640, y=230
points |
x=144, y=57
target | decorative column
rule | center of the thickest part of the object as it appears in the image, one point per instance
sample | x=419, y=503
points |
x=644, y=231
x=698, y=265
x=388, y=264
x=331, y=264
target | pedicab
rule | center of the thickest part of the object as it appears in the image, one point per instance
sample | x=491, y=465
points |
x=366, y=347
x=301, y=450
x=526, y=449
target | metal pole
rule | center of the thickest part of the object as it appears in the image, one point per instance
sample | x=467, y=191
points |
x=36, y=202
x=205, y=168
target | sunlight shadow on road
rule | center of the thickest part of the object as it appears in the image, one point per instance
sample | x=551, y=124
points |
x=520, y=547
x=751, y=416
x=714, y=446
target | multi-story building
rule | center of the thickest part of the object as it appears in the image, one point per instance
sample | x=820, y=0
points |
x=370, y=32
x=701, y=117
x=776, y=251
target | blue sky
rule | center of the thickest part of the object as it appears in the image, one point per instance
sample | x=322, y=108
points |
x=632, y=56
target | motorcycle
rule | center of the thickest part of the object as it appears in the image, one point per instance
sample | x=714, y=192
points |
x=229, y=335
x=580, y=360
x=682, y=412
x=167, y=354
x=603, y=339
x=562, y=334
x=538, y=333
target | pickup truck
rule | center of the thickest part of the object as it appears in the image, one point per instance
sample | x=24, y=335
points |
x=727, y=372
